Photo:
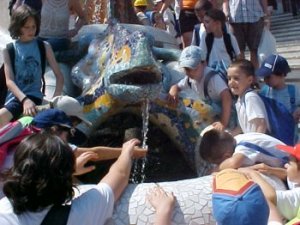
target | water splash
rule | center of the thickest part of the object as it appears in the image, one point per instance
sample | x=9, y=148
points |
x=145, y=115
x=138, y=175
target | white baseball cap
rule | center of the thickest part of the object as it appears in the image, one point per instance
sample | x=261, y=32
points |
x=70, y=106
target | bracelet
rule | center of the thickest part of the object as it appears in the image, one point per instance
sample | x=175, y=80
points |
x=24, y=99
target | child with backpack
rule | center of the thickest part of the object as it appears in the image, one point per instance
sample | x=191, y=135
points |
x=218, y=44
x=274, y=71
x=209, y=86
x=251, y=112
x=24, y=74
x=243, y=150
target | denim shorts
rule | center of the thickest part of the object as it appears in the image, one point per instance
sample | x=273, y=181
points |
x=15, y=107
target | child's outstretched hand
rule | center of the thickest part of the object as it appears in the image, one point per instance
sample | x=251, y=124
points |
x=163, y=202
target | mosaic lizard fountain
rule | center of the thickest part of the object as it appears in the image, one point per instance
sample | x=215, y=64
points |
x=117, y=74
x=121, y=69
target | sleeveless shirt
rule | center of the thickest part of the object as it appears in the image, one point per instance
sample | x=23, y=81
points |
x=28, y=70
x=55, y=16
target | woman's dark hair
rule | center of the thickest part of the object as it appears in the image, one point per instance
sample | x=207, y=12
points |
x=204, y=5
x=216, y=15
x=41, y=175
x=19, y=18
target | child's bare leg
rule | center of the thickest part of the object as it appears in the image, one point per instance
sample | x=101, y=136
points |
x=5, y=117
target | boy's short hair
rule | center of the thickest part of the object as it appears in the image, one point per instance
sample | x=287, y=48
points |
x=191, y=57
x=214, y=143
x=238, y=200
x=274, y=64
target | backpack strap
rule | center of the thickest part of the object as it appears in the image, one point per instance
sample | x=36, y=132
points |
x=42, y=49
x=292, y=94
x=11, y=52
x=228, y=45
x=209, y=40
x=227, y=41
x=284, y=158
x=197, y=34
x=57, y=215
x=206, y=81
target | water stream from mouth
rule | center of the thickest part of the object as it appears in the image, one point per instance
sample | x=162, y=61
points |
x=138, y=175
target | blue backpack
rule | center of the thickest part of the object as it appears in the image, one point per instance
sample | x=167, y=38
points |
x=282, y=125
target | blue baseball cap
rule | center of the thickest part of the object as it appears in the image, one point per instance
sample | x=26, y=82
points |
x=51, y=117
x=274, y=64
x=191, y=56
x=238, y=200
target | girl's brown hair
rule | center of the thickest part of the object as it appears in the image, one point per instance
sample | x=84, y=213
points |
x=19, y=18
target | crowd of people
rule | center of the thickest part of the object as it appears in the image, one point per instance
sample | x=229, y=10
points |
x=37, y=175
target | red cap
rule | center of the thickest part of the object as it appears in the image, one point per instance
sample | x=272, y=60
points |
x=293, y=150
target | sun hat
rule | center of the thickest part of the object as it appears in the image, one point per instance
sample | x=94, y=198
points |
x=51, y=117
x=156, y=1
x=238, y=200
x=274, y=64
x=293, y=150
x=191, y=56
x=70, y=106
x=140, y=3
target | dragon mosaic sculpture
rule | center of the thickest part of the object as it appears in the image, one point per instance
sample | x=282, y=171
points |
x=122, y=70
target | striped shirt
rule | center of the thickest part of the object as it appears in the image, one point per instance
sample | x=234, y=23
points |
x=245, y=11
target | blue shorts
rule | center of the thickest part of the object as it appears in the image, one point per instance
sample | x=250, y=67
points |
x=15, y=107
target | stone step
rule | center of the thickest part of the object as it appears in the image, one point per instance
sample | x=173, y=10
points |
x=286, y=29
x=283, y=17
x=283, y=38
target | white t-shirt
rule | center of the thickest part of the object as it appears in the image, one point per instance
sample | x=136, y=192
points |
x=199, y=34
x=93, y=207
x=288, y=202
x=264, y=141
x=249, y=107
x=218, y=50
x=170, y=22
x=215, y=86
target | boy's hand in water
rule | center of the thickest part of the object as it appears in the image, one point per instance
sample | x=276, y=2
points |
x=139, y=152
x=129, y=146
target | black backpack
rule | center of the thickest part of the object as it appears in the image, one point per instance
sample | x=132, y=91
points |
x=11, y=52
x=209, y=40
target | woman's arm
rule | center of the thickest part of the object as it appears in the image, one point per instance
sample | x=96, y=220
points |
x=56, y=70
x=106, y=153
x=76, y=7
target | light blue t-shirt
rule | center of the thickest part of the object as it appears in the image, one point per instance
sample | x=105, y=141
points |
x=28, y=70
x=283, y=96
